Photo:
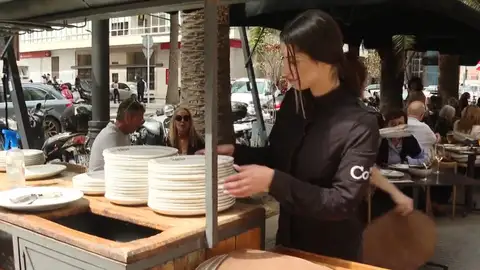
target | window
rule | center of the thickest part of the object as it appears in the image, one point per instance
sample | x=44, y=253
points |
x=160, y=23
x=119, y=29
x=84, y=60
x=241, y=87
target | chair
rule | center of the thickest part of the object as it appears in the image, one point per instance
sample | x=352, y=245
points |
x=451, y=165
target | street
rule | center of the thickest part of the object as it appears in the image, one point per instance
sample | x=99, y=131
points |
x=150, y=108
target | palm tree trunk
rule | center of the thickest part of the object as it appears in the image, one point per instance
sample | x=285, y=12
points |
x=193, y=72
x=172, y=90
x=192, y=93
x=448, y=81
x=391, y=83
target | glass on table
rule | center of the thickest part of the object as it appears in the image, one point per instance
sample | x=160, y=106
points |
x=450, y=138
x=439, y=154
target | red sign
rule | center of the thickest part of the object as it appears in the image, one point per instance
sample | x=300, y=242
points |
x=167, y=74
x=39, y=54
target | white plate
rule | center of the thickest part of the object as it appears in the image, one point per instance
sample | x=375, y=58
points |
x=399, y=166
x=400, y=181
x=391, y=173
x=185, y=211
x=139, y=151
x=43, y=171
x=195, y=161
x=68, y=195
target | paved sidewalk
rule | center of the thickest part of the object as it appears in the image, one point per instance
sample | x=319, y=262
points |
x=458, y=244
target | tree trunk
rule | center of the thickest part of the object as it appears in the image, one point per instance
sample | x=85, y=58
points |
x=391, y=83
x=449, y=78
x=193, y=72
x=172, y=90
x=225, y=117
x=192, y=94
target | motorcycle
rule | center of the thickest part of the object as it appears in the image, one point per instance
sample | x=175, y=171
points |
x=37, y=124
x=71, y=145
x=83, y=94
x=242, y=124
x=155, y=129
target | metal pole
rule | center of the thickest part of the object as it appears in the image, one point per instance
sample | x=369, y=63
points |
x=148, y=69
x=253, y=89
x=211, y=61
x=18, y=99
x=100, y=77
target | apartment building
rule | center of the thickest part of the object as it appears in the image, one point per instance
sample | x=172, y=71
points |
x=66, y=53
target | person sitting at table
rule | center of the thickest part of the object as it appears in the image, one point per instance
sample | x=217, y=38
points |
x=421, y=131
x=129, y=119
x=445, y=121
x=399, y=150
x=468, y=127
x=182, y=134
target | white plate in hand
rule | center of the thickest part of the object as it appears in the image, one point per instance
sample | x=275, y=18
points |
x=68, y=195
x=391, y=173
x=399, y=166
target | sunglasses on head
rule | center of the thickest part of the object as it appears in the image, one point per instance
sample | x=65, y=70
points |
x=185, y=118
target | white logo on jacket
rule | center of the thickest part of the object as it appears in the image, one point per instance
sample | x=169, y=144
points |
x=358, y=173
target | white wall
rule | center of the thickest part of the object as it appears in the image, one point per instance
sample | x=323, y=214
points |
x=37, y=67
x=66, y=59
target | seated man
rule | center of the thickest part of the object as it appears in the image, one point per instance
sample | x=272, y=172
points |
x=129, y=118
x=398, y=150
x=421, y=131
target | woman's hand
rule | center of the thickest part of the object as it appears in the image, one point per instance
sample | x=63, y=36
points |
x=222, y=149
x=250, y=180
x=404, y=204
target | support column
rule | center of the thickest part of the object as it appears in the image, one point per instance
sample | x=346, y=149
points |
x=100, y=77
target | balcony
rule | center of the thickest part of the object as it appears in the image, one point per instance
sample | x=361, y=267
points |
x=156, y=24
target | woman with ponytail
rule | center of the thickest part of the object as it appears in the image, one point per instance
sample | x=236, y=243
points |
x=321, y=148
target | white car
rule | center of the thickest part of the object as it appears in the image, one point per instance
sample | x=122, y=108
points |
x=129, y=89
x=241, y=92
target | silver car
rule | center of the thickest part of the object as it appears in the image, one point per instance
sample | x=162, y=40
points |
x=35, y=93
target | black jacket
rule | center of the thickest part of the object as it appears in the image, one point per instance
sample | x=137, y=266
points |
x=322, y=169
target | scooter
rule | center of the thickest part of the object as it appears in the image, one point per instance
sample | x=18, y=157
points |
x=71, y=145
x=155, y=129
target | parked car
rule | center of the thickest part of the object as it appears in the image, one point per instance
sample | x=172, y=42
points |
x=35, y=93
x=241, y=93
x=127, y=90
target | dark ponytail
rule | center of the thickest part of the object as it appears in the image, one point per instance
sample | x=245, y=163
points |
x=352, y=73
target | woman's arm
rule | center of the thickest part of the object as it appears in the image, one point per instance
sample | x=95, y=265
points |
x=350, y=183
x=403, y=202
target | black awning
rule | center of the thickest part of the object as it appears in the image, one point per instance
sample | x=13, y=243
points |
x=373, y=21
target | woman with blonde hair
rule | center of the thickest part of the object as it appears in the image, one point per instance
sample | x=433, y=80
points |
x=182, y=134
x=468, y=127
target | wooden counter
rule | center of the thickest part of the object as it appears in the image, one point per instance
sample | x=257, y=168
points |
x=180, y=245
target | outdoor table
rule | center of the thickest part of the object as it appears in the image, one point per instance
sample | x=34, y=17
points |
x=441, y=179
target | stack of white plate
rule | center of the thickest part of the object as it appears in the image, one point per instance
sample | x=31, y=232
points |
x=395, y=132
x=177, y=185
x=126, y=172
x=32, y=157
x=91, y=183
